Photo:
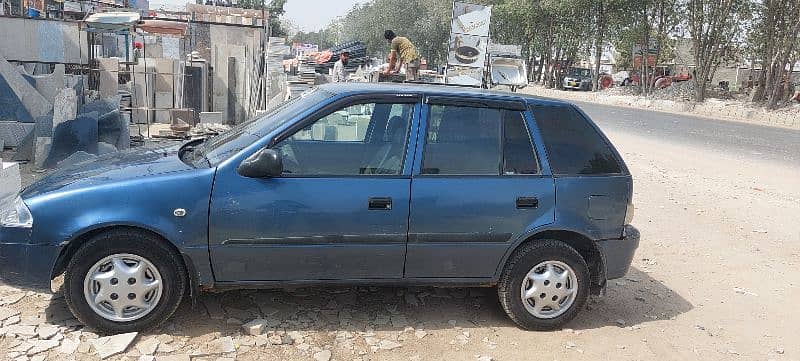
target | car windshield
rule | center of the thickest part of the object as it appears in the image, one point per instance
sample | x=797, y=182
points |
x=218, y=148
x=580, y=72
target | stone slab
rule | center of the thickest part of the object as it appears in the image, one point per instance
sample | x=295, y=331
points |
x=10, y=180
x=65, y=106
x=108, y=77
x=41, y=149
x=35, y=104
x=163, y=103
x=13, y=133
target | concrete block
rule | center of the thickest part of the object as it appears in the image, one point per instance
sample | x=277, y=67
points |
x=33, y=102
x=166, y=69
x=41, y=150
x=12, y=133
x=163, y=101
x=109, y=77
x=211, y=117
x=11, y=108
x=65, y=106
x=24, y=151
x=48, y=85
x=43, y=126
x=10, y=180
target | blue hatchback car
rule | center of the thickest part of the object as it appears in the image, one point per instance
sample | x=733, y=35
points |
x=347, y=184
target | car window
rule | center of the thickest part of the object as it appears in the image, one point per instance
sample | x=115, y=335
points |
x=462, y=140
x=518, y=154
x=574, y=146
x=360, y=139
x=222, y=146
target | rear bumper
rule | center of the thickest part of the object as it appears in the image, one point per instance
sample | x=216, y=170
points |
x=23, y=264
x=618, y=253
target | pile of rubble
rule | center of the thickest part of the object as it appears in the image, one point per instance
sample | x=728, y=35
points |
x=47, y=118
x=677, y=91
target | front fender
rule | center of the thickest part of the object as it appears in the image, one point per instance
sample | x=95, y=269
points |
x=63, y=218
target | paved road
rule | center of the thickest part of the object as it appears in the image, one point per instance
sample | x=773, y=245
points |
x=759, y=141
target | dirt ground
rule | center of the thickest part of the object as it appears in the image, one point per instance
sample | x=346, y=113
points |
x=715, y=278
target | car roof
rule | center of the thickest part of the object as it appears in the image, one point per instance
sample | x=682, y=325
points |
x=435, y=90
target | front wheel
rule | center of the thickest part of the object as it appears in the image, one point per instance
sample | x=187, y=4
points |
x=123, y=281
x=544, y=285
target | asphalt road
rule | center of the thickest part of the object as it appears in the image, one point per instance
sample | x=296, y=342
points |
x=736, y=138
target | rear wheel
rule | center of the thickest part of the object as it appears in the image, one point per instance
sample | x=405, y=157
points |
x=124, y=281
x=544, y=285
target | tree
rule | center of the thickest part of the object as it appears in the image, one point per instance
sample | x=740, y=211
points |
x=275, y=11
x=714, y=27
x=773, y=41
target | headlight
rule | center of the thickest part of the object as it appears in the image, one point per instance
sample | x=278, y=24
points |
x=15, y=214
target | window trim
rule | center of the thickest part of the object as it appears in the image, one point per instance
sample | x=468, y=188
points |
x=343, y=103
x=336, y=105
x=530, y=141
x=446, y=101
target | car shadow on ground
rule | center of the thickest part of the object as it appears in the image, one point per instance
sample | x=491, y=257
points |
x=630, y=301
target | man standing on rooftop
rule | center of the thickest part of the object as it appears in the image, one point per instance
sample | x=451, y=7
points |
x=402, y=53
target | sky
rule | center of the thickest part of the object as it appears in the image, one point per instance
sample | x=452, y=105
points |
x=312, y=15
x=309, y=15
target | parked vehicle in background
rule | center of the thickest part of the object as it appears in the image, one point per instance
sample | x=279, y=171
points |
x=578, y=79
x=351, y=183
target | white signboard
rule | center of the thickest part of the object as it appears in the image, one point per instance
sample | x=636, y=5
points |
x=469, y=39
x=465, y=76
x=467, y=50
x=471, y=19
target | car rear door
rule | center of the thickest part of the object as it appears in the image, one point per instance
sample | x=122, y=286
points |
x=340, y=209
x=477, y=187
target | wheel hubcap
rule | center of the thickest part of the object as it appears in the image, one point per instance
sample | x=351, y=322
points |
x=549, y=289
x=122, y=287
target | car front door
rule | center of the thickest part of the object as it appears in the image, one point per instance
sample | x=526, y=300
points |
x=477, y=187
x=340, y=209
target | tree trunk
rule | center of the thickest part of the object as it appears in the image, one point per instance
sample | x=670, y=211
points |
x=598, y=43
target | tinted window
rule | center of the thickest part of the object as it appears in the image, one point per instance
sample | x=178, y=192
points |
x=518, y=154
x=573, y=145
x=462, y=140
x=361, y=139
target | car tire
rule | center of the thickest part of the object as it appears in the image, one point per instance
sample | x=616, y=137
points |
x=121, y=261
x=553, y=312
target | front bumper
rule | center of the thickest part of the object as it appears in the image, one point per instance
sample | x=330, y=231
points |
x=618, y=253
x=24, y=264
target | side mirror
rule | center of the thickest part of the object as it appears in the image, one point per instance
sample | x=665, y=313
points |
x=263, y=164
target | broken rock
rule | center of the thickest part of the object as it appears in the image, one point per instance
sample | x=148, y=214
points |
x=111, y=345
x=324, y=355
x=46, y=331
x=148, y=347
x=255, y=327
x=6, y=312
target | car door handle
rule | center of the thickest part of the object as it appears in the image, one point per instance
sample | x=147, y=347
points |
x=380, y=203
x=527, y=202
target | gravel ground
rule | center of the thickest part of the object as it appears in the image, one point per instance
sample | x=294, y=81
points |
x=715, y=278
